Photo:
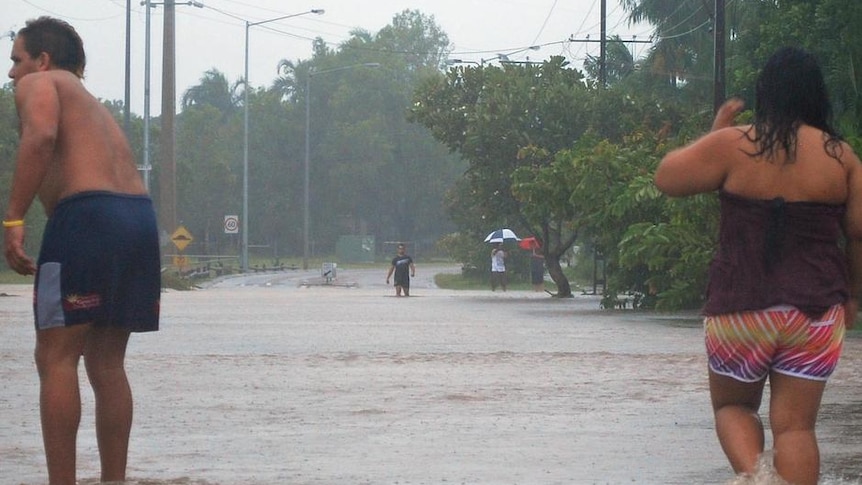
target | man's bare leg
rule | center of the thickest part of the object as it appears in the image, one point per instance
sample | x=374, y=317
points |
x=104, y=357
x=58, y=351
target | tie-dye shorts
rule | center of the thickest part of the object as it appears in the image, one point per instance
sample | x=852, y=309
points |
x=748, y=345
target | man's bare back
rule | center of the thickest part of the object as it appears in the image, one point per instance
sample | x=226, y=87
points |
x=90, y=152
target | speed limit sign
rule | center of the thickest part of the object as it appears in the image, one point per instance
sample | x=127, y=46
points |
x=231, y=224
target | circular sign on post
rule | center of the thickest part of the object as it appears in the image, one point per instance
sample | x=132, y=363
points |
x=231, y=224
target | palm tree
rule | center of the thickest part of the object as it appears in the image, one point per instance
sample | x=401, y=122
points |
x=286, y=83
x=683, y=33
x=619, y=62
x=213, y=90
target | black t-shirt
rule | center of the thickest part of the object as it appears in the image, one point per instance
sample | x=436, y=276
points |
x=402, y=267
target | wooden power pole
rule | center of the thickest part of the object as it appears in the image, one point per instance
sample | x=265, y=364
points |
x=167, y=174
x=720, y=79
x=603, y=54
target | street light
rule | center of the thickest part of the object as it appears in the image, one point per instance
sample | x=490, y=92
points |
x=504, y=58
x=307, y=130
x=248, y=25
x=451, y=62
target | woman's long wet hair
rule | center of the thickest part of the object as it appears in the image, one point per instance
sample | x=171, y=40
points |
x=791, y=92
x=59, y=40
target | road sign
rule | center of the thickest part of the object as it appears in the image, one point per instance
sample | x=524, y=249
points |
x=181, y=262
x=181, y=238
x=231, y=224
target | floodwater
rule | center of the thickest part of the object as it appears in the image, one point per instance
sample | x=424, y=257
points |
x=279, y=379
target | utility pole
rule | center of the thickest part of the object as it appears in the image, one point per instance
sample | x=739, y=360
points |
x=127, y=114
x=603, y=45
x=603, y=56
x=167, y=174
x=720, y=80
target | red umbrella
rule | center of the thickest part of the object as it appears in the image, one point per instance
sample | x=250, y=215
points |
x=529, y=243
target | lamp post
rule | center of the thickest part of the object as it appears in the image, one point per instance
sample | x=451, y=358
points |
x=244, y=225
x=145, y=167
x=307, y=149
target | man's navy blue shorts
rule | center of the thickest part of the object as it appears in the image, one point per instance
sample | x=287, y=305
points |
x=100, y=264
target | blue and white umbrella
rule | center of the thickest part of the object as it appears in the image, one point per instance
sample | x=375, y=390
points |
x=501, y=235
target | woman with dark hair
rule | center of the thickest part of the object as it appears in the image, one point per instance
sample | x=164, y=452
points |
x=785, y=281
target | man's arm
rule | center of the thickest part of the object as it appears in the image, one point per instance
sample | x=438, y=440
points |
x=38, y=105
x=389, y=273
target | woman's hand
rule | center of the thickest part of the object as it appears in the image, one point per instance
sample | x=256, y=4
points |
x=726, y=113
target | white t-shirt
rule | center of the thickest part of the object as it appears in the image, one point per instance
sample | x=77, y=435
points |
x=498, y=261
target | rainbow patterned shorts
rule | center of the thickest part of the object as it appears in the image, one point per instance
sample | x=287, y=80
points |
x=748, y=345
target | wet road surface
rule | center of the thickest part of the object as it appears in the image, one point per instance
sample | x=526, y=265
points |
x=280, y=379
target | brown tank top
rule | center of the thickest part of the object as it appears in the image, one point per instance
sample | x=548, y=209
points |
x=772, y=252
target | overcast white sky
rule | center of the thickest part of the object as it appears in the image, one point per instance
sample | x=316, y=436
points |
x=210, y=38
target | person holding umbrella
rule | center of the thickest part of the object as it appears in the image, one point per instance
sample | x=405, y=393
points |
x=537, y=262
x=498, y=267
x=498, y=256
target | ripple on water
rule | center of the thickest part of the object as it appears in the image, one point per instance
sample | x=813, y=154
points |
x=766, y=475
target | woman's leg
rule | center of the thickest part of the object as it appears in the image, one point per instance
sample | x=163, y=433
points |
x=737, y=423
x=793, y=408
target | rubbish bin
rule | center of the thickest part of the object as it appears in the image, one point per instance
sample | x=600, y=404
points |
x=328, y=271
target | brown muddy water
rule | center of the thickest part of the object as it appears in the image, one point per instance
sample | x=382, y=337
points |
x=279, y=379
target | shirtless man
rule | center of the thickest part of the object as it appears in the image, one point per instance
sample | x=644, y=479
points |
x=97, y=275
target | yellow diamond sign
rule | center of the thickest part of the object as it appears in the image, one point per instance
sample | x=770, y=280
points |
x=181, y=238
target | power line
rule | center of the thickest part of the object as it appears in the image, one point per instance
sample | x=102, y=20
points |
x=545, y=23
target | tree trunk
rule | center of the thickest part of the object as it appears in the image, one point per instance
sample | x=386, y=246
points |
x=564, y=289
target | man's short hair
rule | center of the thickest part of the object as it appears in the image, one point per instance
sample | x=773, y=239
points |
x=59, y=40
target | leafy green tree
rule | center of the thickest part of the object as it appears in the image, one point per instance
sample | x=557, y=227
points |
x=371, y=171
x=670, y=253
x=416, y=38
x=207, y=181
x=489, y=115
x=8, y=138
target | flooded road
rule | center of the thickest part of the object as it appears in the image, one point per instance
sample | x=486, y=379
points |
x=277, y=379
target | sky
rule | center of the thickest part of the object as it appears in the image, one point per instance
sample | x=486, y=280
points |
x=213, y=37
